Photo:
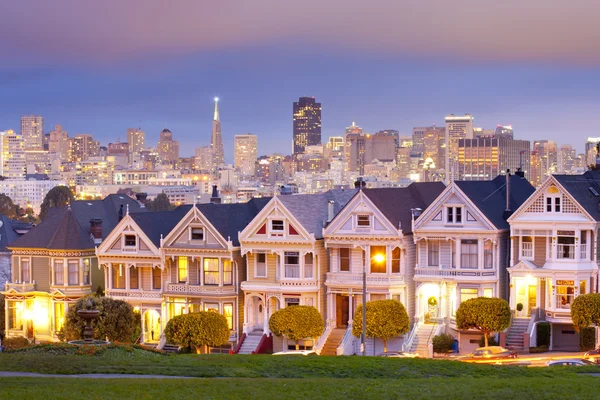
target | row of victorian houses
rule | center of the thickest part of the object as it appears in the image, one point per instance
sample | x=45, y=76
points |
x=441, y=245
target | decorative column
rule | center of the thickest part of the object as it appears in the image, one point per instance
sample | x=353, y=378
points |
x=110, y=275
x=127, y=266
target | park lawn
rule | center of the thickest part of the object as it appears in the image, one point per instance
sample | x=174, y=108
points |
x=573, y=387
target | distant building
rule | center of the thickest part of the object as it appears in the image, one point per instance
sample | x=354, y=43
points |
x=307, y=124
x=567, y=158
x=94, y=172
x=334, y=147
x=168, y=149
x=362, y=149
x=28, y=192
x=457, y=127
x=84, y=147
x=32, y=132
x=12, y=156
x=59, y=143
x=203, y=159
x=136, y=140
x=118, y=148
x=590, y=150
x=245, y=154
x=484, y=158
x=434, y=147
x=504, y=131
x=216, y=141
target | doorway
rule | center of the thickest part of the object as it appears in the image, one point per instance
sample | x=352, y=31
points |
x=342, y=310
x=531, y=298
x=152, y=329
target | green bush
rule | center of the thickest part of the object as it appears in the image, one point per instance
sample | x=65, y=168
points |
x=543, y=334
x=196, y=330
x=491, y=341
x=297, y=322
x=585, y=310
x=587, y=338
x=486, y=314
x=116, y=321
x=385, y=319
x=14, y=343
x=442, y=343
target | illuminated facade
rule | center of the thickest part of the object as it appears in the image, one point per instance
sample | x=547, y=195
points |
x=136, y=140
x=307, y=124
x=32, y=132
x=168, y=149
x=245, y=154
x=457, y=127
x=12, y=156
x=484, y=158
x=84, y=147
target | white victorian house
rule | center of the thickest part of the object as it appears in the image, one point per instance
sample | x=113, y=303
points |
x=554, y=252
x=462, y=250
x=286, y=260
x=373, y=232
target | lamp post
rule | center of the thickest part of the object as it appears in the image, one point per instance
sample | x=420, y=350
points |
x=379, y=258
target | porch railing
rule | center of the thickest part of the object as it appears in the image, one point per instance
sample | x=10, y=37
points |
x=321, y=342
x=411, y=336
x=346, y=346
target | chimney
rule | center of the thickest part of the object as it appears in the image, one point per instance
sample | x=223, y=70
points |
x=96, y=229
x=330, y=205
x=141, y=199
x=507, y=190
x=520, y=172
x=359, y=184
x=214, y=197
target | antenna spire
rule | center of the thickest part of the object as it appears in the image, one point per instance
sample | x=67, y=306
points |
x=216, y=116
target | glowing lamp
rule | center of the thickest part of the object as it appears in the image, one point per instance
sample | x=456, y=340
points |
x=379, y=258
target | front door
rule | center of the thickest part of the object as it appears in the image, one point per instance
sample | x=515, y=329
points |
x=342, y=309
x=531, y=298
x=259, y=320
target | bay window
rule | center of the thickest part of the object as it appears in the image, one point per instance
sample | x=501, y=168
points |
x=228, y=314
x=73, y=268
x=378, y=267
x=211, y=271
x=86, y=272
x=468, y=256
x=344, y=258
x=433, y=253
x=156, y=278
x=261, y=265
x=227, y=272
x=488, y=254
x=292, y=264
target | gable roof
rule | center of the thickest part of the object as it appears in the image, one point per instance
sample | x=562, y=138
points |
x=311, y=210
x=396, y=203
x=579, y=186
x=68, y=228
x=490, y=196
x=10, y=230
x=158, y=223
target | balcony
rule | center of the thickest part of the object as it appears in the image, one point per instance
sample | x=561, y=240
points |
x=144, y=294
x=452, y=273
x=73, y=289
x=20, y=287
x=565, y=252
x=185, y=288
x=341, y=278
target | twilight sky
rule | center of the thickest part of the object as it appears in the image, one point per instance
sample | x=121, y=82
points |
x=100, y=67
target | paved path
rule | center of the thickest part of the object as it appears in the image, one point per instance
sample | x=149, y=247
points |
x=17, y=374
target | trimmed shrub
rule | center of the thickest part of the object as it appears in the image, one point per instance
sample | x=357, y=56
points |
x=116, y=321
x=297, y=322
x=585, y=310
x=491, y=341
x=543, y=334
x=587, y=338
x=385, y=319
x=14, y=343
x=486, y=314
x=442, y=343
x=196, y=330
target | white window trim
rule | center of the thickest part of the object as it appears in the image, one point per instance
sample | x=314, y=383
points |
x=521, y=257
x=276, y=233
x=357, y=226
x=192, y=227
x=256, y=266
x=450, y=209
x=137, y=240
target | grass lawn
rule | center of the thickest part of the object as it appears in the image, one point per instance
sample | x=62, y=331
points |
x=289, y=377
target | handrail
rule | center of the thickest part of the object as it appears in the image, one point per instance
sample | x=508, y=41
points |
x=531, y=331
x=237, y=348
x=411, y=336
x=265, y=345
x=347, y=342
x=321, y=342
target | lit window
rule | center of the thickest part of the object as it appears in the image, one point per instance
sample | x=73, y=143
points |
x=117, y=276
x=344, y=259
x=197, y=234
x=363, y=220
x=86, y=271
x=378, y=264
x=527, y=247
x=211, y=271
x=228, y=314
x=467, y=294
x=488, y=292
x=182, y=269
x=214, y=307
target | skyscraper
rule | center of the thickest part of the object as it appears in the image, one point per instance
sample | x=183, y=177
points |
x=361, y=149
x=59, y=143
x=203, y=159
x=83, y=147
x=590, y=150
x=136, y=139
x=245, y=153
x=168, y=149
x=32, y=132
x=216, y=140
x=567, y=157
x=307, y=124
x=457, y=127
x=484, y=158
x=12, y=156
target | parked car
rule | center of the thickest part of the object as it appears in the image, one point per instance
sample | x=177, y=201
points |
x=593, y=355
x=296, y=353
x=575, y=362
x=398, y=354
x=491, y=353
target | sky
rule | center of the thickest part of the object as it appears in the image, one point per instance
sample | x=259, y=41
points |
x=101, y=67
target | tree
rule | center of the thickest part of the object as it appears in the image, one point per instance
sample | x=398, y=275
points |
x=196, y=330
x=486, y=314
x=116, y=321
x=160, y=203
x=385, y=319
x=7, y=206
x=585, y=311
x=58, y=196
x=297, y=322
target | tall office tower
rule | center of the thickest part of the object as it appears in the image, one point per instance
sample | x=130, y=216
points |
x=245, y=154
x=32, y=132
x=334, y=147
x=536, y=174
x=403, y=161
x=457, y=127
x=12, y=156
x=362, y=149
x=203, y=159
x=59, y=143
x=216, y=140
x=504, y=131
x=567, y=157
x=418, y=133
x=405, y=141
x=590, y=150
x=136, y=139
x=354, y=128
x=307, y=124
x=83, y=147
x=168, y=149
x=434, y=147
x=548, y=154
x=391, y=132
x=484, y=158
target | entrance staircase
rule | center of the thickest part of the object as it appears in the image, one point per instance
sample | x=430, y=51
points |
x=251, y=342
x=514, y=336
x=419, y=344
x=333, y=341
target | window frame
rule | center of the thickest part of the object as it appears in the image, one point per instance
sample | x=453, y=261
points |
x=363, y=221
x=202, y=234
x=488, y=254
x=454, y=215
x=87, y=272
x=522, y=249
x=137, y=278
x=62, y=272
x=374, y=266
x=467, y=258
x=342, y=257
x=208, y=270
x=180, y=276
x=431, y=251
x=396, y=265
x=127, y=237
x=154, y=280
x=257, y=262
x=71, y=263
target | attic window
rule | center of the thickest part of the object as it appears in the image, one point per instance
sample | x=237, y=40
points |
x=363, y=220
x=197, y=234
x=277, y=225
x=130, y=240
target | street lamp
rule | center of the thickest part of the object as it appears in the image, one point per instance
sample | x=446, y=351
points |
x=378, y=258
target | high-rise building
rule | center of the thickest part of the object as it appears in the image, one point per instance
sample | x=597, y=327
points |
x=362, y=149
x=457, y=127
x=59, y=143
x=118, y=149
x=567, y=158
x=536, y=174
x=548, y=154
x=434, y=147
x=32, y=132
x=590, y=150
x=418, y=133
x=506, y=130
x=307, y=124
x=203, y=159
x=168, y=149
x=334, y=147
x=245, y=154
x=484, y=158
x=12, y=156
x=216, y=140
x=136, y=139
x=83, y=147
x=391, y=132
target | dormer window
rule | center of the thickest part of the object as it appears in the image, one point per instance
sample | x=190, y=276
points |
x=363, y=221
x=197, y=233
x=454, y=215
x=130, y=240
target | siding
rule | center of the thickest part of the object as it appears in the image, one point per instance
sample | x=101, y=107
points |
x=503, y=257
x=323, y=260
x=446, y=253
x=146, y=278
x=539, y=251
x=422, y=253
x=97, y=274
x=409, y=274
x=40, y=272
